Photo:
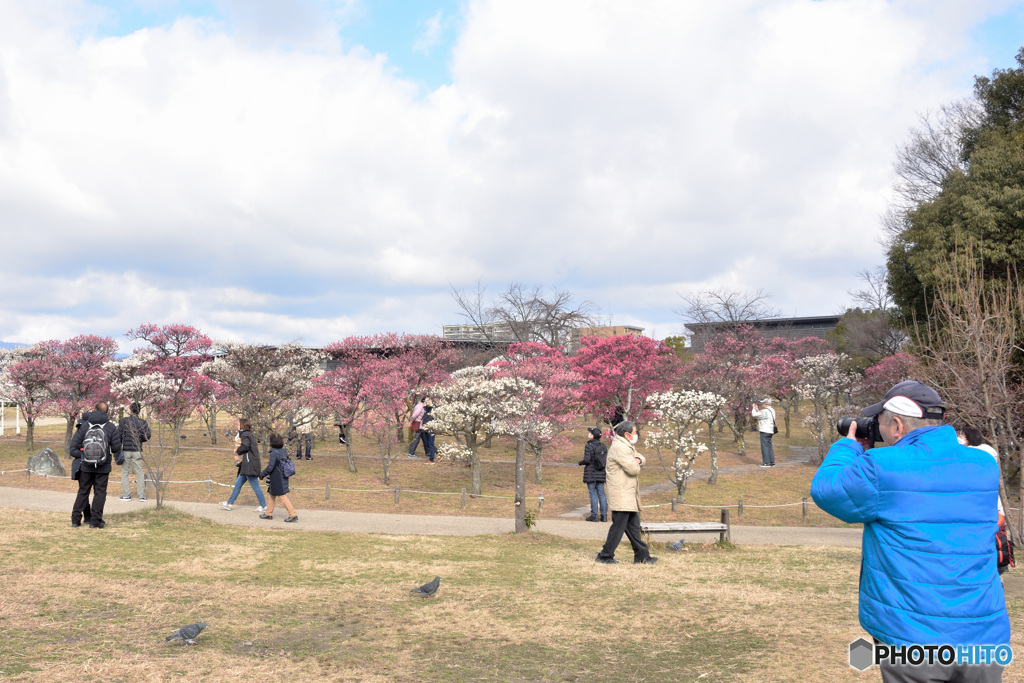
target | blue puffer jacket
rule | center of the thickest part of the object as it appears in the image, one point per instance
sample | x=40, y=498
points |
x=928, y=504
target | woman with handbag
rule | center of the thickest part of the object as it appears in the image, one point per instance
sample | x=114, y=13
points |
x=277, y=487
x=247, y=460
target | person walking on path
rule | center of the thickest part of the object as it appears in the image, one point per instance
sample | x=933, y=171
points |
x=96, y=443
x=426, y=435
x=623, y=488
x=418, y=411
x=134, y=432
x=247, y=460
x=595, y=455
x=928, y=506
x=765, y=416
x=277, y=486
x=304, y=420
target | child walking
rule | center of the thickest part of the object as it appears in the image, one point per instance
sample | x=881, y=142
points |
x=277, y=487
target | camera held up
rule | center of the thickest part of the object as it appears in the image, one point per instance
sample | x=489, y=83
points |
x=867, y=427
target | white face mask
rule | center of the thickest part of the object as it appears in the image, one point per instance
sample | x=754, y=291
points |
x=633, y=438
x=962, y=440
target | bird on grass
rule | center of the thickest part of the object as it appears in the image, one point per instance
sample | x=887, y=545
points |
x=187, y=634
x=677, y=546
x=427, y=590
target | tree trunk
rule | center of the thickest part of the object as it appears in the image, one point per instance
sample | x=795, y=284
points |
x=348, y=447
x=1020, y=497
x=387, y=470
x=487, y=440
x=68, y=433
x=521, y=486
x=30, y=434
x=537, y=474
x=213, y=426
x=474, y=464
x=785, y=408
x=713, y=450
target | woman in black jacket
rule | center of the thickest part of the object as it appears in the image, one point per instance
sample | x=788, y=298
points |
x=595, y=456
x=247, y=460
x=277, y=487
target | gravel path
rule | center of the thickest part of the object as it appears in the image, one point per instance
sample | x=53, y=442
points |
x=440, y=525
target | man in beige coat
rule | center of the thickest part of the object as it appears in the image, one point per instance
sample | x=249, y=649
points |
x=622, y=488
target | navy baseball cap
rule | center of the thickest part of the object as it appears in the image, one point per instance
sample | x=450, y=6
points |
x=910, y=398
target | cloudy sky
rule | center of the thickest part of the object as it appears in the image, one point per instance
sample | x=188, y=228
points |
x=274, y=170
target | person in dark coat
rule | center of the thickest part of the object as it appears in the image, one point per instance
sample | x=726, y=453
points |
x=247, y=460
x=94, y=477
x=595, y=455
x=277, y=487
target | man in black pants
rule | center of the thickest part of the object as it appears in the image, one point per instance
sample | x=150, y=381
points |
x=96, y=432
x=622, y=487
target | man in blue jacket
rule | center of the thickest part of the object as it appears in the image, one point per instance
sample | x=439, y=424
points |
x=928, y=505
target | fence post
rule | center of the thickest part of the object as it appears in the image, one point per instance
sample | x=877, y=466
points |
x=674, y=500
x=725, y=535
x=739, y=508
x=805, y=507
x=28, y=473
x=541, y=504
x=398, y=490
x=463, y=498
x=327, y=491
x=209, y=484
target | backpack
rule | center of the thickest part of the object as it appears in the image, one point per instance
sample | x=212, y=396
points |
x=287, y=468
x=1004, y=549
x=94, y=446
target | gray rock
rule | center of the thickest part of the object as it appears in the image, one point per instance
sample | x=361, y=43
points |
x=46, y=462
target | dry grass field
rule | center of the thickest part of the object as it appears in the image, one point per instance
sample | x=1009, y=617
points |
x=85, y=605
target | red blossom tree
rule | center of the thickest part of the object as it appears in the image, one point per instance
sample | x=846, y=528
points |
x=339, y=391
x=25, y=380
x=623, y=371
x=78, y=379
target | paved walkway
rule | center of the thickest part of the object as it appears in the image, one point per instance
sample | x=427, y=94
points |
x=439, y=525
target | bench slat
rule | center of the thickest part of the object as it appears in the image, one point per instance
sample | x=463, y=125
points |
x=682, y=526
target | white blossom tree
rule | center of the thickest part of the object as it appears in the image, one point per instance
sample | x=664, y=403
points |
x=675, y=413
x=469, y=406
x=827, y=385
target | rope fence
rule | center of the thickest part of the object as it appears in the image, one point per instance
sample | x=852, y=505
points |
x=398, y=490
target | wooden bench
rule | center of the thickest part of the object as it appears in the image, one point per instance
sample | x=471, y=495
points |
x=722, y=528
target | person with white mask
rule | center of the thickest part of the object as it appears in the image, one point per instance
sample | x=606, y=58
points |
x=622, y=488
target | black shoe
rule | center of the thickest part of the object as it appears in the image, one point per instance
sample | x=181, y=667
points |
x=604, y=518
x=98, y=525
x=75, y=525
x=309, y=458
x=591, y=518
x=649, y=560
x=606, y=560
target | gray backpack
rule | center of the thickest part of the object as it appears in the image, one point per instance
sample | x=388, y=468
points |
x=94, y=447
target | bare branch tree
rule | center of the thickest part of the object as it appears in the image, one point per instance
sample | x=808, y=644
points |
x=875, y=294
x=525, y=313
x=935, y=150
x=724, y=305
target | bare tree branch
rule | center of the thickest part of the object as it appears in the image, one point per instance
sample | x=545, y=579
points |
x=725, y=305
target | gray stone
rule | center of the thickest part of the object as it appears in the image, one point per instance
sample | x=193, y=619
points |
x=46, y=462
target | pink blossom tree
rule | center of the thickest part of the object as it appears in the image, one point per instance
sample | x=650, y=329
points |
x=339, y=391
x=891, y=370
x=624, y=371
x=25, y=380
x=382, y=396
x=78, y=379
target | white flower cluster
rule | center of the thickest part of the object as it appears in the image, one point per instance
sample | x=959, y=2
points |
x=475, y=401
x=144, y=388
x=823, y=377
x=684, y=407
x=454, y=451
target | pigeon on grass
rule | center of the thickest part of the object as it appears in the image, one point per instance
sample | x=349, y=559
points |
x=677, y=546
x=187, y=634
x=427, y=590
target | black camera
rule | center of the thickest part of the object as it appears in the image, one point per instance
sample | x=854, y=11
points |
x=867, y=427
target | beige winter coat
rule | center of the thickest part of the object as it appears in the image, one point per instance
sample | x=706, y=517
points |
x=622, y=486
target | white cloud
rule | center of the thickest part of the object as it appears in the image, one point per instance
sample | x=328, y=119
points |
x=432, y=30
x=233, y=174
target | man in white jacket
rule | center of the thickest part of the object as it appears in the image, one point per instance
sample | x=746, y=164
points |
x=763, y=412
